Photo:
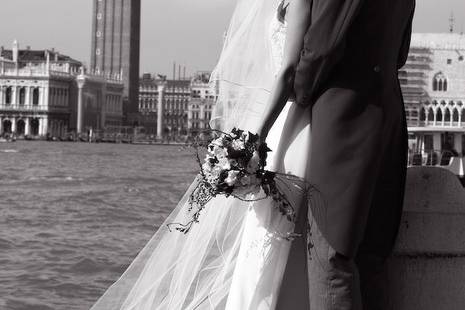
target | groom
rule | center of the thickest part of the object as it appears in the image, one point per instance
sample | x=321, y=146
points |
x=348, y=75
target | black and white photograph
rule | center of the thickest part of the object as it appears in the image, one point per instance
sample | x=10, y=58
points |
x=232, y=155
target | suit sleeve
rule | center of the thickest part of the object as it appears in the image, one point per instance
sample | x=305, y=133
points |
x=403, y=54
x=323, y=45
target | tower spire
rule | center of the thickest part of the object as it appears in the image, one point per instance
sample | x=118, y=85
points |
x=451, y=22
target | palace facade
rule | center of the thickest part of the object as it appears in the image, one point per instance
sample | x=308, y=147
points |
x=175, y=108
x=46, y=93
x=433, y=84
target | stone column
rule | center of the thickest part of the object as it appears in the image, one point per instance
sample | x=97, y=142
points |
x=27, y=126
x=14, y=94
x=41, y=96
x=1, y=125
x=27, y=101
x=161, y=94
x=80, y=115
x=437, y=141
x=45, y=103
x=2, y=102
x=40, y=126
x=44, y=125
x=13, y=124
x=458, y=142
x=104, y=107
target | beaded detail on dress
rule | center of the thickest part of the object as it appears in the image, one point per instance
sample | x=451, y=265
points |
x=277, y=39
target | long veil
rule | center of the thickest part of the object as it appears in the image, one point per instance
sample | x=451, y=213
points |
x=195, y=270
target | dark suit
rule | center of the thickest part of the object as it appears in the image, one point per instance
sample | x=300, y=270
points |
x=347, y=74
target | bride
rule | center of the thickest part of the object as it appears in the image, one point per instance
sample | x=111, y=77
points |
x=238, y=256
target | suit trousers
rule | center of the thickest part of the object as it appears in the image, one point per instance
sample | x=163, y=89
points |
x=336, y=282
x=333, y=279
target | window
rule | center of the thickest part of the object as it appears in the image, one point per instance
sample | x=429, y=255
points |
x=460, y=58
x=35, y=96
x=449, y=61
x=22, y=95
x=440, y=82
x=455, y=115
x=439, y=115
x=8, y=96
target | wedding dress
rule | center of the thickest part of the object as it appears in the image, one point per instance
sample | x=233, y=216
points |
x=236, y=257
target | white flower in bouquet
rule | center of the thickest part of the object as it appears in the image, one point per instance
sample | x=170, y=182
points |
x=238, y=145
x=224, y=163
x=220, y=152
x=231, y=179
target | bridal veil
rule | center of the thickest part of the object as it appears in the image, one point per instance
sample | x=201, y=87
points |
x=195, y=270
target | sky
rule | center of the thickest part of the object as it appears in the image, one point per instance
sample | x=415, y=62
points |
x=186, y=31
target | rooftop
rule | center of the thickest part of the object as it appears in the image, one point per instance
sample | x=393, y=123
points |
x=28, y=55
x=438, y=40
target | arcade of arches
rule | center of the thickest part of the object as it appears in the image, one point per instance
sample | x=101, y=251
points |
x=32, y=126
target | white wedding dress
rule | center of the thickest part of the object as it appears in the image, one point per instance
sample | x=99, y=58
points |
x=236, y=256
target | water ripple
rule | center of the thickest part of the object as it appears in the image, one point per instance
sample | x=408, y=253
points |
x=74, y=215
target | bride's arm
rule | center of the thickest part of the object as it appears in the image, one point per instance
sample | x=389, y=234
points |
x=298, y=20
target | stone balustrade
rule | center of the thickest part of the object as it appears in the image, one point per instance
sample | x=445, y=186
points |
x=427, y=270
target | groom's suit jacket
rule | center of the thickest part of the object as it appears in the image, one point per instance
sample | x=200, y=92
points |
x=348, y=75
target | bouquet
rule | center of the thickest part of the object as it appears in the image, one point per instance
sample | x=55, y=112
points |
x=235, y=166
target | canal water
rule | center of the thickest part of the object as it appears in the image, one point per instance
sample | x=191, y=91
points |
x=74, y=215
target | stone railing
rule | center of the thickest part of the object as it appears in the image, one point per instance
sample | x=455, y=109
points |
x=23, y=108
x=427, y=270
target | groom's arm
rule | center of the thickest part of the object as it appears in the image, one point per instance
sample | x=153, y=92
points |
x=403, y=55
x=323, y=46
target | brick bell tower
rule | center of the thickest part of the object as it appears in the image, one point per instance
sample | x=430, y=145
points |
x=116, y=47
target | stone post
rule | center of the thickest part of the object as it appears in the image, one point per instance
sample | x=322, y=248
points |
x=80, y=116
x=161, y=94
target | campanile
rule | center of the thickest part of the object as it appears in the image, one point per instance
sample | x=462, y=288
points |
x=116, y=46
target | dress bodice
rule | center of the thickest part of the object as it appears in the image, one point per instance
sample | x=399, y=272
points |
x=277, y=39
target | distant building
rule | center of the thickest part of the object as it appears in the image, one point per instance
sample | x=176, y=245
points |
x=202, y=101
x=116, y=45
x=433, y=84
x=186, y=105
x=174, y=96
x=43, y=92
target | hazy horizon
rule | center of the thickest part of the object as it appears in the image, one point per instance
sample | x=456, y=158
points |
x=188, y=32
